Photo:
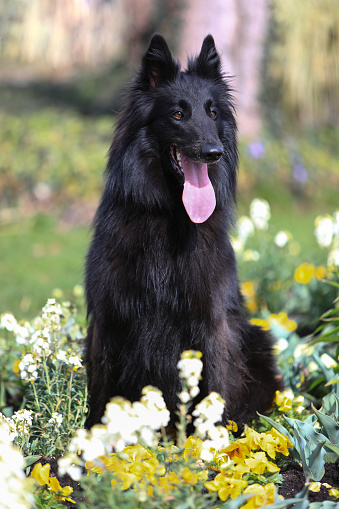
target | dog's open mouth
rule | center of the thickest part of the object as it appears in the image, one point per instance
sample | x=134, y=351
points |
x=198, y=195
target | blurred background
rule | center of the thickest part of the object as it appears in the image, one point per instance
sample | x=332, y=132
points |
x=63, y=65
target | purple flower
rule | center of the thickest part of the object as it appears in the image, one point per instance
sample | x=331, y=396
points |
x=256, y=149
x=300, y=173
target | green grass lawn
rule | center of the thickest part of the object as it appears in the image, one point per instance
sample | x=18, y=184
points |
x=36, y=258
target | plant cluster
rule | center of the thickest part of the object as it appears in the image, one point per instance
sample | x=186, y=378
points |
x=133, y=459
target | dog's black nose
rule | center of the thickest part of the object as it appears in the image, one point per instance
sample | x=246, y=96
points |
x=211, y=152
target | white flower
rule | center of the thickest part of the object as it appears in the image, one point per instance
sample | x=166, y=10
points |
x=61, y=356
x=328, y=361
x=55, y=421
x=189, y=368
x=245, y=228
x=69, y=465
x=324, y=230
x=281, y=345
x=28, y=368
x=250, y=255
x=194, y=391
x=208, y=412
x=15, y=487
x=238, y=245
x=91, y=445
x=184, y=397
x=282, y=238
x=333, y=258
x=260, y=213
x=22, y=332
x=336, y=223
x=8, y=322
x=75, y=360
x=22, y=420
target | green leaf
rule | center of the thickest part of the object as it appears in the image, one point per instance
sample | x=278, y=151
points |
x=236, y=503
x=278, y=427
x=330, y=426
x=29, y=460
x=333, y=447
x=327, y=504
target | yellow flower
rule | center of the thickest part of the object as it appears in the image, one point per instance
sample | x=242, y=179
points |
x=261, y=495
x=283, y=321
x=259, y=463
x=193, y=448
x=237, y=450
x=62, y=493
x=264, y=324
x=314, y=486
x=334, y=493
x=226, y=486
x=189, y=476
x=282, y=443
x=232, y=426
x=16, y=367
x=304, y=273
x=247, y=289
x=127, y=480
x=251, y=305
x=41, y=473
x=320, y=272
x=284, y=400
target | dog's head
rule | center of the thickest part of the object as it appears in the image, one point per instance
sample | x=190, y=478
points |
x=189, y=117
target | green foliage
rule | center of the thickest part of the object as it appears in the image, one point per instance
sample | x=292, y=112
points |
x=52, y=155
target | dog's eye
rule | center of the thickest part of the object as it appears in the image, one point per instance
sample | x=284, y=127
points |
x=213, y=114
x=178, y=115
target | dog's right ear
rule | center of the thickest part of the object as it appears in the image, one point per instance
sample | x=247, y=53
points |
x=158, y=65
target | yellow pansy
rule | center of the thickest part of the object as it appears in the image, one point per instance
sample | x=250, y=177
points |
x=63, y=493
x=247, y=289
x=283, y=321
x=334, y=493
x=261, y=495
x=259, y=463
x=284, y=400
x=320, y=272
x=315, y=487
x=41, y=473
x=226, y=486
x=304, y=273
x=237, y=450
x=193, y=448
x=232, y=426
x=264, y=324
x=126, y=479
x=189, y=476
x=16, y=367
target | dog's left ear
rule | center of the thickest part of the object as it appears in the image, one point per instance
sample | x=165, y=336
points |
x=207, y=64
x=158, y=65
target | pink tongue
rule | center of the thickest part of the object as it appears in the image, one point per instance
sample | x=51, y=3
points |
x=198, y=196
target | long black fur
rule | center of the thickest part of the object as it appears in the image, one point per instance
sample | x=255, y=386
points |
x=157, y=283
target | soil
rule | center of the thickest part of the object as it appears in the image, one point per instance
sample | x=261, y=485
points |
x=293, y=481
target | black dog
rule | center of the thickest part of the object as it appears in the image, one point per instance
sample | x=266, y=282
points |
x=161, y=272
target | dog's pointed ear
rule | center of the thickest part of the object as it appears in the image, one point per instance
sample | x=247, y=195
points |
x=158, y=65
x=207, y=64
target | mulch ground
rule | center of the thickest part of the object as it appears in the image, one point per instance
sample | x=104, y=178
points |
x=293, y=482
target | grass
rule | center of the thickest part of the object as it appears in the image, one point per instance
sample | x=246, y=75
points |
x=37, y=258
